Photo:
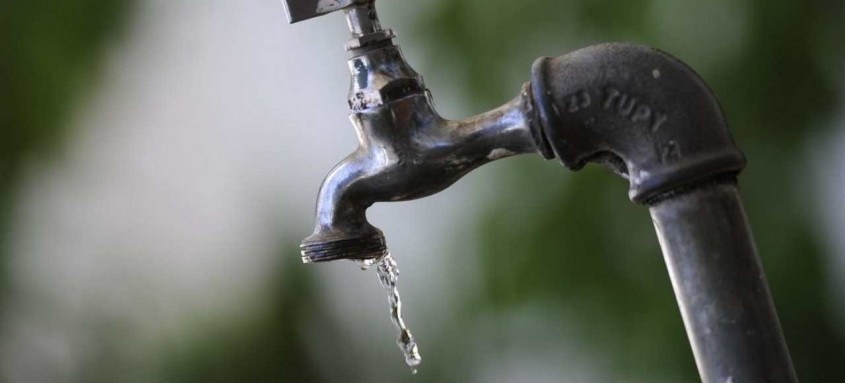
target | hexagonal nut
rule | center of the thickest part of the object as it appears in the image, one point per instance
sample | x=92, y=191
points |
x=372, y=38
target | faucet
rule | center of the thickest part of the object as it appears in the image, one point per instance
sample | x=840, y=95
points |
x=639, y=111
x=406, y=150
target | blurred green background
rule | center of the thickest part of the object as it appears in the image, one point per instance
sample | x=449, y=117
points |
x=565, y=282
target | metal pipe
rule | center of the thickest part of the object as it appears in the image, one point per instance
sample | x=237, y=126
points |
x=720, y=286
x=651, y=119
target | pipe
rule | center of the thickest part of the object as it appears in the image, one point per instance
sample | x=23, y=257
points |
x=720, y=286
x=652, y=120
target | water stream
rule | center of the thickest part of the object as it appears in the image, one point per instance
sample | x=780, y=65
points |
x=388, y=274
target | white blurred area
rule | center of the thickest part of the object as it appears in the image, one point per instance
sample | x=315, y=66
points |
x=201, y=148
x=828, y=159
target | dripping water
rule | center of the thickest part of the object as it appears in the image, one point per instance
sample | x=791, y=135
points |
x=388, y=274
x=365, y=264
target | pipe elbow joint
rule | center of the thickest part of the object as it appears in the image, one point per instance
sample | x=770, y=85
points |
x=643, y=113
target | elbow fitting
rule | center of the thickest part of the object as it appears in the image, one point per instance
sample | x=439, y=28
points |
x=640, y=111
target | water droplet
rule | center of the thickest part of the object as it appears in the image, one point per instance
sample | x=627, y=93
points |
x=365, y=264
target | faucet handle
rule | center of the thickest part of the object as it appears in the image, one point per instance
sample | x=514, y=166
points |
x=299, y=10
x=361, y=18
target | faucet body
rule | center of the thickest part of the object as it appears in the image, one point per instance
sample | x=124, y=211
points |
x=639, y=111
x=405, y=151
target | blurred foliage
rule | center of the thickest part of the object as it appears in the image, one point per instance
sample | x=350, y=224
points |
x=49, y=51
x=580, y=244
x=271, y=346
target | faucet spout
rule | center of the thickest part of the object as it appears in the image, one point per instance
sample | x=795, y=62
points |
x=408, y=151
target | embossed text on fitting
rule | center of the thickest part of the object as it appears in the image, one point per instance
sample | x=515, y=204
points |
x=629, y=107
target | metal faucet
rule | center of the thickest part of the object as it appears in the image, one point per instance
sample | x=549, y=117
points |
x=406, y=150
x=637, y=110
